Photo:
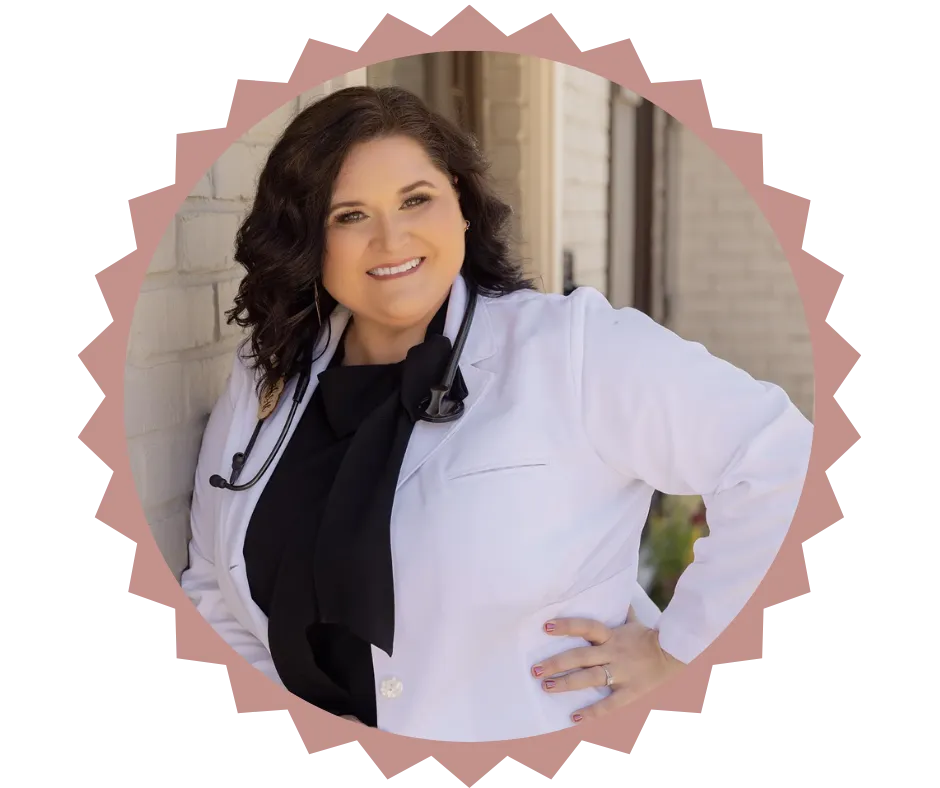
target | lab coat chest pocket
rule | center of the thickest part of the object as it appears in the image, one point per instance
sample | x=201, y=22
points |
x=509, y=515
x=500, y=486
x=497, y=452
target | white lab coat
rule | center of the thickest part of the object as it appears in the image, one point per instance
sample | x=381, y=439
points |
x=530, y=506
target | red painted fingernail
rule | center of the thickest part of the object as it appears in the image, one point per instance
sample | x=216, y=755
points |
x=577, y=717
x=538, y=670
x=548, y=684
x=550, y=626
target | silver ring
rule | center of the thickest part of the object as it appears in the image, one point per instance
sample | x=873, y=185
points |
x=610, y=679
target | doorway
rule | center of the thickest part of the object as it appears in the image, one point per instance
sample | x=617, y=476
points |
x=453, y=87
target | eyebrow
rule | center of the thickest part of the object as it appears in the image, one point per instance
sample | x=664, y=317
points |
x=355, y=204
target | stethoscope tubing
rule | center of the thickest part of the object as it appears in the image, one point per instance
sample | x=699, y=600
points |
x=437, y=409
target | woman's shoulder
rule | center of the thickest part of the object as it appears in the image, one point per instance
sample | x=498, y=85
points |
x=585, y=309
x=595, y=332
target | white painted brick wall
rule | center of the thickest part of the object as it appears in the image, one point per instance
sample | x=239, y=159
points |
x=180, y=349
x=235, y=174
x=205, y=241
x=731, y=286
x=586, y=174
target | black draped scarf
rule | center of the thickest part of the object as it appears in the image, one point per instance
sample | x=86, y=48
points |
x=318, y=546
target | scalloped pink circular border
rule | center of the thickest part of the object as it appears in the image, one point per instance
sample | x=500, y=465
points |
x=105, y=358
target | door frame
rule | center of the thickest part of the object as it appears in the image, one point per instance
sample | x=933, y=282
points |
x=455, y=85
x=542, y=172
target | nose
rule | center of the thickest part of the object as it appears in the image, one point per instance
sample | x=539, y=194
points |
x=391, y=233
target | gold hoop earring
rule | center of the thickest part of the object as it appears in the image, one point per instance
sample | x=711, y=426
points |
x=316, y=302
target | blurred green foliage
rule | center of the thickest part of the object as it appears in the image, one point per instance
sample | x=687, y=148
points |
x=668, y=541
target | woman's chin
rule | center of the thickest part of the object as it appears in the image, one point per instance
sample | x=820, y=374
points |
x=407, y=316
x=410, y=307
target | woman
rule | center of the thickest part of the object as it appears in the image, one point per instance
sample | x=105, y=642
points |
x=466, y=579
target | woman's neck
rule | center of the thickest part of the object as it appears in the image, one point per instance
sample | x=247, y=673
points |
x=368, y=342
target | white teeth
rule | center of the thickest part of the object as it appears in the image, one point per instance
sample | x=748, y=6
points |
x=398, y=269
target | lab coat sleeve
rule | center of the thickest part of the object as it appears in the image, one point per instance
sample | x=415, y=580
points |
x=664, y=411
x=644, y=608
x=200, y=579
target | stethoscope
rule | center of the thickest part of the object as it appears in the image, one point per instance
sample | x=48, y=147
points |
x=437, y=408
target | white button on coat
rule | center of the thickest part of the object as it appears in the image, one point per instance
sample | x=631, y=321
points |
x=530, y=506
x=391, y=688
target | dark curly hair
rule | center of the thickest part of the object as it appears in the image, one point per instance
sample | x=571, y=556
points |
x=281, y=242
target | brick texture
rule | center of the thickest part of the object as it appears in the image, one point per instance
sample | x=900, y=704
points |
x=586, y=173
x=731, y=287
x=180, y=349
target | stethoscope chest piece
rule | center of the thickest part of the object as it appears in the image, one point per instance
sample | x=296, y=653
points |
x=437, y=409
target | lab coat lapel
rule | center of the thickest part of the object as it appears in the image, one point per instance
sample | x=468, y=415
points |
x=237, y=507
x=426, y=438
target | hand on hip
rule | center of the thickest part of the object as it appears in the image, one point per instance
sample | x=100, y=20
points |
x=628, y=659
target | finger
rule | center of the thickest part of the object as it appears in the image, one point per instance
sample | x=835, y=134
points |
x=584, y=657
x=587, y=628
x=614, y=701
x=576, y=680
x=631, y=615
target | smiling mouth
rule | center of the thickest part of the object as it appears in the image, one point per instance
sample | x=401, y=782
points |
x=392, y=272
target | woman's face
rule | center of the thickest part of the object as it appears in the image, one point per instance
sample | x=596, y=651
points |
x=395, y=233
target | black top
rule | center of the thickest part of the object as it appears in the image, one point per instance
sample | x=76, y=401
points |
x=317, y=549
